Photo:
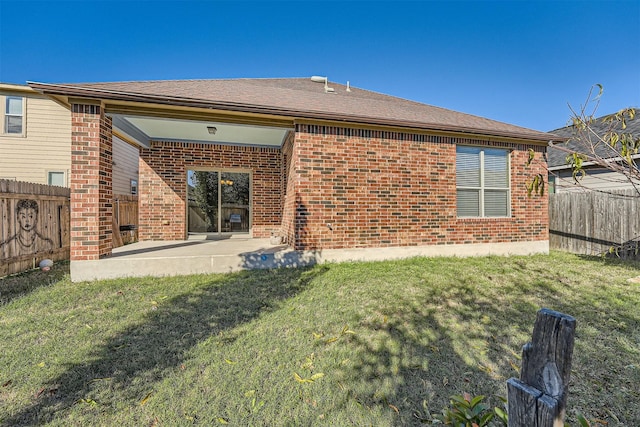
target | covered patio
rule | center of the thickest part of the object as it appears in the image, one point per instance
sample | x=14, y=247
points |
x=203, y=175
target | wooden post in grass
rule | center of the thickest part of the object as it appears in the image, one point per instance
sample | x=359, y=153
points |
x=539, y=397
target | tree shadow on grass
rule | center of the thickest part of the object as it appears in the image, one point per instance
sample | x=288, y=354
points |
x=408, y=384
x=136, y=358
x=19, y=285
x=465, y=339
x=424, y=343
x=418, y=359
x=602, y=386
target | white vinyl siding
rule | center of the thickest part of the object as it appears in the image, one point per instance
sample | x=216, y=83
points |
x=125, y=166
x=482, y=182
x=595, y=179
x=45, y=144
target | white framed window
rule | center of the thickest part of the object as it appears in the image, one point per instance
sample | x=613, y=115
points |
x=482, y=182
x=134, y=187
x=13, y=120
x=56, y=178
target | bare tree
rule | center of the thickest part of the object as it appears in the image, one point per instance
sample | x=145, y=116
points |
x=604, y=143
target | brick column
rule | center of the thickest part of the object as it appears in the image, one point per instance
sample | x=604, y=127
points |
x=91, y=183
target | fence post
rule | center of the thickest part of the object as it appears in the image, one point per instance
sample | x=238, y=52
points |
x=539, y=397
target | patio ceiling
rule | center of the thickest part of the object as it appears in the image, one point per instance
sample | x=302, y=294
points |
x=143, y=129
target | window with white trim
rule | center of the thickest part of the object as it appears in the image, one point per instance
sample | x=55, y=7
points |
x=482, y=182
x=14, y=115
x=134, y=187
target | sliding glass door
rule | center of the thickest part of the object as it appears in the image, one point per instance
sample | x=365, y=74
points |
x=218, y=201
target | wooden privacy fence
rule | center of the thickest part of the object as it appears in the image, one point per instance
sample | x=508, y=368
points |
x=34, y=225
x=591, y=223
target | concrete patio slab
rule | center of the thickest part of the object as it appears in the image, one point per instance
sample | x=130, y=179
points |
x=198, y=255
x=203, y=254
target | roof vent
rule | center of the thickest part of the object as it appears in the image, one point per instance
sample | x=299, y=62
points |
x=348, y=87
x=325, y=80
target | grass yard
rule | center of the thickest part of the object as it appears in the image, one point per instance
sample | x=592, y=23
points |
x=379, y=344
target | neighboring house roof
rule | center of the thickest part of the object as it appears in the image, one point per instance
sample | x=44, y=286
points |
x=297, y=98
x=557, y=158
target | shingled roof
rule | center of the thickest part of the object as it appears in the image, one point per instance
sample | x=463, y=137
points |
x=297, y=98
x=557, y=158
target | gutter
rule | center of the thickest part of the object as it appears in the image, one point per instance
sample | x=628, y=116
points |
x=66, y=90
x=16, y=87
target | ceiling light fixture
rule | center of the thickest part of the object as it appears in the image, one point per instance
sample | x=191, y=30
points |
x=212, y=130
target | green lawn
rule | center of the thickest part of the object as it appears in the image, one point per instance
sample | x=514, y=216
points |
x=342, y=344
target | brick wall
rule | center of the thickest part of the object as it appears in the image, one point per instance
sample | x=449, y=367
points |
x=91, y=183
x=163, y=185
x=332, y=188
x=362, y=188
x=288, y=228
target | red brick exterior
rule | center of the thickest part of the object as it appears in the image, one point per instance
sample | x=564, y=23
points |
x=91, y=183
x=326, y=188
x=359, y=188
x=290, y=162
x=163, y=185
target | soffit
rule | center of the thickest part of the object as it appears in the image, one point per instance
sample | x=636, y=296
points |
x=144, y=129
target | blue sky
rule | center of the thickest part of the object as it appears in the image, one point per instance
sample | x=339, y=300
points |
x=519, y=62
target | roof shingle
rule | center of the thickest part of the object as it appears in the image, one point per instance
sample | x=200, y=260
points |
x=556, y=157
x=301, y=97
